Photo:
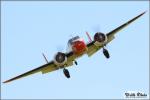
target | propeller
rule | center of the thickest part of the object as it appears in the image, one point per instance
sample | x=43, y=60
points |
x=96, y=28
x=60, y=48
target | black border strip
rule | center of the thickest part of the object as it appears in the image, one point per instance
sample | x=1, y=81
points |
x=75, y=0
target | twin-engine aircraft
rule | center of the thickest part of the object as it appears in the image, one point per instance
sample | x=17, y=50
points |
x=77, y=48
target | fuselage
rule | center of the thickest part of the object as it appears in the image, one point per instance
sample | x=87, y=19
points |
x=77, y=45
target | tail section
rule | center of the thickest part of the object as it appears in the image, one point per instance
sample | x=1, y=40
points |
x=90, y=40
x=45, y=58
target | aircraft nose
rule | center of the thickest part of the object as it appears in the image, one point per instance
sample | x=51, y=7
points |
x=79, y=46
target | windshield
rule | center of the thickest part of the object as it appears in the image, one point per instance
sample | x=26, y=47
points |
x=72, y=39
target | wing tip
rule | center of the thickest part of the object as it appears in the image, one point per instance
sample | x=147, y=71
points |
x=140, y=15
x=12, y=79
x=6, y=81
x=144, y=12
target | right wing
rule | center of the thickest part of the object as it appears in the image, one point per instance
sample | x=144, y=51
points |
x=111, y=34
x=93, y=48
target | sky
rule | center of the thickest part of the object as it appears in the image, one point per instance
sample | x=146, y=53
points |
x=29, y=28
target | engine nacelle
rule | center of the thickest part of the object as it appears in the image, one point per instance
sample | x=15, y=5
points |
x=60, y=59
x=100, y=39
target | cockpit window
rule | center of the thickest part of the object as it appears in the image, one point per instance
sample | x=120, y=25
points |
x=72, y=39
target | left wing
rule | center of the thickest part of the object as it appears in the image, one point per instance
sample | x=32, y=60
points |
x=44, y=68
x=92, y=48
x=49, y=67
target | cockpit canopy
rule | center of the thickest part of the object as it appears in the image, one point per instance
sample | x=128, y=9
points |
x=73, y=39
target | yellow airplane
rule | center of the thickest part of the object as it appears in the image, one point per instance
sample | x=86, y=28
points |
x=77, y=48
